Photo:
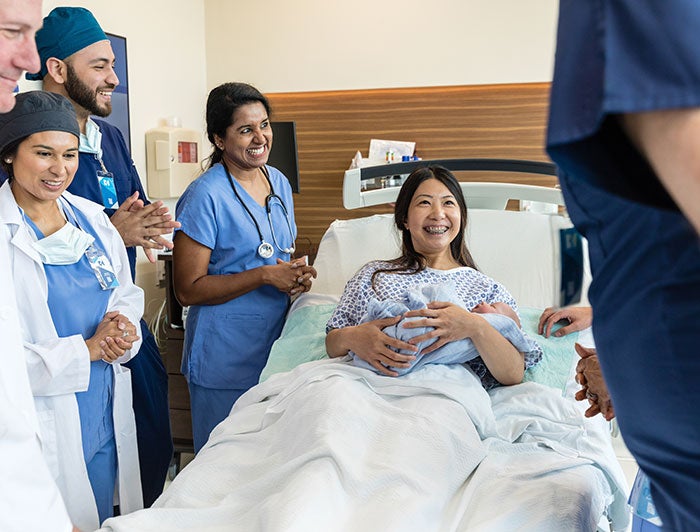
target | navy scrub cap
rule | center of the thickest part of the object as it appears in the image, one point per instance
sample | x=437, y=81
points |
x=37, y=111
x=66, y=30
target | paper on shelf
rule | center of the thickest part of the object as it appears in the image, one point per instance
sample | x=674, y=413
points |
x=378, y=149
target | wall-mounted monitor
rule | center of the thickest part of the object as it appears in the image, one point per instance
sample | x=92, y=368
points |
x=283, y=155
x=120, y=97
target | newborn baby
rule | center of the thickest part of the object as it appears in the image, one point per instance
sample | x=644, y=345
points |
x=500, y=315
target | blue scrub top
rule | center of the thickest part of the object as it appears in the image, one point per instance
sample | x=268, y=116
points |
x=77, y=304
x=227, y=345
x=117, y=160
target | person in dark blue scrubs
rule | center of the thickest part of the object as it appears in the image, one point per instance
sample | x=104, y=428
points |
x=77, y=62
x=624, y=119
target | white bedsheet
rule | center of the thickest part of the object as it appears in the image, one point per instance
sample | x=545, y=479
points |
x=332, y=447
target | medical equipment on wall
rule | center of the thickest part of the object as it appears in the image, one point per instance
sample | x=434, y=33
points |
x=172, y=160
x=265, y=249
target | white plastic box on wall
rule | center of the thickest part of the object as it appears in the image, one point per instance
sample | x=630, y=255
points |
x=172, y=160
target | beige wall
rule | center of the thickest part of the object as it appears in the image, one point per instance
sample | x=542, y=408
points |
x=180, y=49
x=306, y=45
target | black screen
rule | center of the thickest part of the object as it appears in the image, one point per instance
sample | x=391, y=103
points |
x=120, y=97
x=283, y=155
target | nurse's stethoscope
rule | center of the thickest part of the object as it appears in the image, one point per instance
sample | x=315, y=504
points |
x=265, y=249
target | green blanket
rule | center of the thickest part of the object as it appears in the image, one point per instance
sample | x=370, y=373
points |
x=304, y=335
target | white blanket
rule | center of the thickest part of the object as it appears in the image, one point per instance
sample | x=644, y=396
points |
x=330, y=446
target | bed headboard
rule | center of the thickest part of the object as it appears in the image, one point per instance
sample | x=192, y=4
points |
x=480, y=121
x=523, y=250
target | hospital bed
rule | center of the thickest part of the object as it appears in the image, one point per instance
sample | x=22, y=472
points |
x=323, y=445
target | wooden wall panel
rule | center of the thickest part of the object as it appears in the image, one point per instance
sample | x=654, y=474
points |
x=490, y=121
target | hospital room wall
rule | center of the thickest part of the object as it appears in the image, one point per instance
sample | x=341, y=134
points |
x=310, y=45
x=180, y=49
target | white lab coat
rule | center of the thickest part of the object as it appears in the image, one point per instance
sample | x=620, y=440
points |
x=59, y=367
x=30, y=500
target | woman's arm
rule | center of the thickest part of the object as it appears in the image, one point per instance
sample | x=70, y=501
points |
x=450, y=322
x=58, y=366
x=194, y=286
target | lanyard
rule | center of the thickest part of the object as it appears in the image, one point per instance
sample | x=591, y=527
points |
x=265, y=249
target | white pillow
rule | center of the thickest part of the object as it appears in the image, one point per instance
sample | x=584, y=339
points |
x=517, y=248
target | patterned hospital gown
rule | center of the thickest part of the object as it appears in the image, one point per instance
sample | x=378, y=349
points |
x=472, y=288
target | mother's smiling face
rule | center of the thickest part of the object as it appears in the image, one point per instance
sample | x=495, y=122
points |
x=431, y=215
x=433, y=218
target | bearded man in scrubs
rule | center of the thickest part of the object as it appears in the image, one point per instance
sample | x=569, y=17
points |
x=77, y=62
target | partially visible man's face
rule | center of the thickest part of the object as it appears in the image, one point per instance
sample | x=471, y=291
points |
x=19, y=21
x=90, y=78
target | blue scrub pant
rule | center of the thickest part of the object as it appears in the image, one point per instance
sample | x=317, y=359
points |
x=646, y=323
x=149, y=385
x=102, y=472
x=210, y=407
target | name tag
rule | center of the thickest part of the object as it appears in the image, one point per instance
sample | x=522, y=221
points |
x=109, y=191
x=101, y=267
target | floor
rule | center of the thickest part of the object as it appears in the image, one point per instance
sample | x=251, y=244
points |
x=185, y=458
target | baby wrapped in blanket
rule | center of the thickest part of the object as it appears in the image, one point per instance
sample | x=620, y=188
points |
x=499, y=315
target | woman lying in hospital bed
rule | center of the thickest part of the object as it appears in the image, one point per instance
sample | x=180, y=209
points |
x=431, y=215
x=331, y=446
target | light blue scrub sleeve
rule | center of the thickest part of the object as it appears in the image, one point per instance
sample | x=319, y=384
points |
x=196, y=212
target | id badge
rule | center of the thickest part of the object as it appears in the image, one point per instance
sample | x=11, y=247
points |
x=101, y=267
x=640, y=500
x=109, y=191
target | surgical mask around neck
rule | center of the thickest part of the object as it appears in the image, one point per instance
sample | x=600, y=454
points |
x=91, y=140
x=65, y=246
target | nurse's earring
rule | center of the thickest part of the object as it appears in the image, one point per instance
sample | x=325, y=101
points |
x=8, y=160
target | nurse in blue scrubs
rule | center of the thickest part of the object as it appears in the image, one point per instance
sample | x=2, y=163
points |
x=623, y=129
x=232, y=261
x=78, y=310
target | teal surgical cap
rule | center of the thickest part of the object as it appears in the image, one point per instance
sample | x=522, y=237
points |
x=66, y=30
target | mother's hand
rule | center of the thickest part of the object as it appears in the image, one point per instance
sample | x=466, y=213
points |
x=369, y=342
x=449, y=322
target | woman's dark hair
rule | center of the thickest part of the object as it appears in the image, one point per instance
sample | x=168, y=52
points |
x=222, y=103
x=10, y=152
x=411, y=261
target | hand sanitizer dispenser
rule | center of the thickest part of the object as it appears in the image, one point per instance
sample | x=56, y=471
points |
x=172, y=160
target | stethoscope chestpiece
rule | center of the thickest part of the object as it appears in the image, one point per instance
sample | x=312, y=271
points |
x=265, y=250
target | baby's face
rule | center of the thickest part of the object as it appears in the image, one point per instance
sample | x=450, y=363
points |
x=497, y=308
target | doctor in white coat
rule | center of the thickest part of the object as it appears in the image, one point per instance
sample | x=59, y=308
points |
x=77, y=307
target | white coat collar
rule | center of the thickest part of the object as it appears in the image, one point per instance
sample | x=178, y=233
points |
x=11, y=218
